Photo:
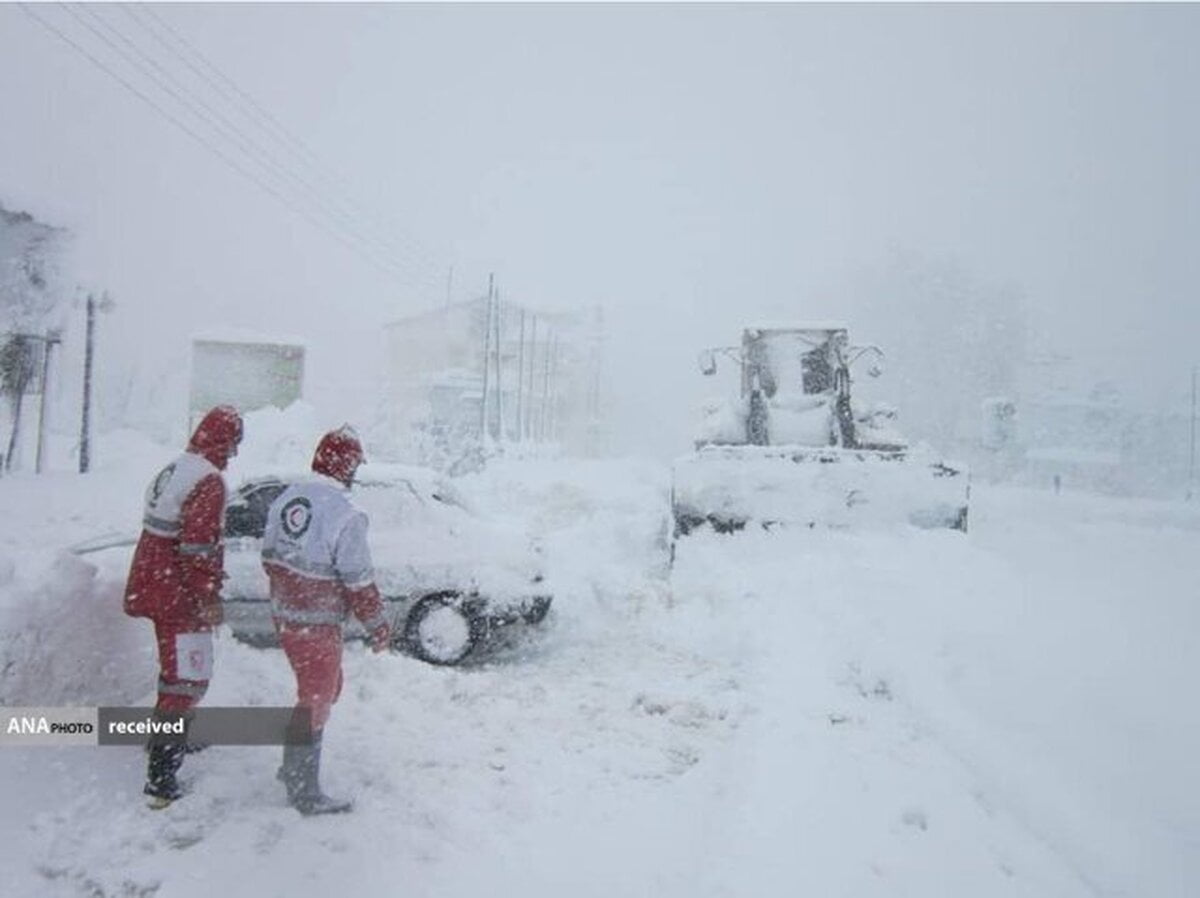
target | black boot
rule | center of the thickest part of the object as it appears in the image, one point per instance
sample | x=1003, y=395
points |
x=161, y=785
x=290, y=763
x=301, y=775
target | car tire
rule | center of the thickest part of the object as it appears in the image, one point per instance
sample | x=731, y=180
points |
x=441, y=630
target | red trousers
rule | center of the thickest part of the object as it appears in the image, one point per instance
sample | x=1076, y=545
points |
x=185, y=660
x=315, y=653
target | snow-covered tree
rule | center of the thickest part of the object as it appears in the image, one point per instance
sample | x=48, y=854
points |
x=30, y=272
x=31, y=302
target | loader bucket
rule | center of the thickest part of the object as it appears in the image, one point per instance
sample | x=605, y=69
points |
x=731, y=488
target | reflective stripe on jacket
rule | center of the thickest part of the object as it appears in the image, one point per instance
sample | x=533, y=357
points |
x=177, y=567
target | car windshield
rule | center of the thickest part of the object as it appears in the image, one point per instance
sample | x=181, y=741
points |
x=246, y=512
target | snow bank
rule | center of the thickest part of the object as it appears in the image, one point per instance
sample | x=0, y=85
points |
x=65, y=641
x=603, y=526
x=63, y=638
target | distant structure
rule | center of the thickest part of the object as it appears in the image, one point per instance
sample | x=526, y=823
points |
x=1078, y=431
x=486, y=372
x=248, y=374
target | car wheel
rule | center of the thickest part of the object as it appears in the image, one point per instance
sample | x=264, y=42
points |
x=440, y=630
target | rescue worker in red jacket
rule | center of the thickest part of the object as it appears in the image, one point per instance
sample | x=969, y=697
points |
x=316, y=555
x=175, y=578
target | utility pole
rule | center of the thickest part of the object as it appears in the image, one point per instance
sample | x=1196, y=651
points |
x=552, y=426
x=1191, y=492
x=499, y=383
x=543, y=432
x=85, y=427
x=521, y=379
x=528, y=424
x=103, y=304
x=487, y=362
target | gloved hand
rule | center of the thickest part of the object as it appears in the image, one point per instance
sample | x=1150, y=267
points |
x=380, y=638
x=212, y=613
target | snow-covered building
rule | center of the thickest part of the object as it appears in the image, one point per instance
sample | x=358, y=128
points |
x=1076, y=430
x=490, y=370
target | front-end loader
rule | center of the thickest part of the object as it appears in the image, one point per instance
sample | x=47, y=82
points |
x=794, y=448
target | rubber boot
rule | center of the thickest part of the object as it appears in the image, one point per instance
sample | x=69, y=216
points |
x=161, y=785
x=301, y=776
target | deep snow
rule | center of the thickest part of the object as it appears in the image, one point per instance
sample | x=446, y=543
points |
x=884, y=713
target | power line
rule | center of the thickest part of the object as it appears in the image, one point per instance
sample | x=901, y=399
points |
x=203, y=110
x=154, y=24
x=272, y=170
x=243, y=103
x=192, y=133
x=280, y=130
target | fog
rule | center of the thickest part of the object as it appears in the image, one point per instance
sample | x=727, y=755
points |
x=689, y=168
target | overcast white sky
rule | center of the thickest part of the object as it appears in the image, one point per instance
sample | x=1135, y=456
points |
x=691, y=167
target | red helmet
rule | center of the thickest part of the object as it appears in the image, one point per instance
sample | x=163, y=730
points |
x=339, y=454
x=218, y=434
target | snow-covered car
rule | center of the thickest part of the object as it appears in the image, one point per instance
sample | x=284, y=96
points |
x=449, y=577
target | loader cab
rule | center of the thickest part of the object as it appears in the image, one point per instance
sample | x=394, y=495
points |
x=806, y=359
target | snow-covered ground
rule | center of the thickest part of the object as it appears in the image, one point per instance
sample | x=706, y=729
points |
x=1009, y=712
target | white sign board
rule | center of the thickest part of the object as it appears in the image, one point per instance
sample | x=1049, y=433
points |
x=247, y=376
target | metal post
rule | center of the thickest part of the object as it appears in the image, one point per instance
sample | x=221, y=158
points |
x=47, y=342
x=85, y=428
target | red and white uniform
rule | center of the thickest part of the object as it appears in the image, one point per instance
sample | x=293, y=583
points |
x=177, y=569
x=316, y=555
